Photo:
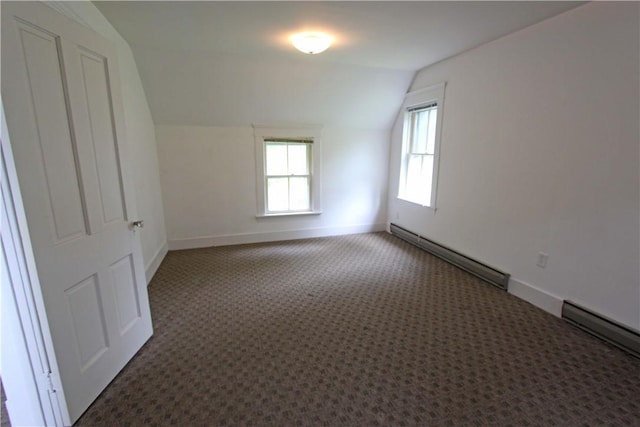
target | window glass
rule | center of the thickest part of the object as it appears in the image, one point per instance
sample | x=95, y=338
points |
x=299, y=193
x=277, y=194
x=419, y=132
x=431, y=131
x=298, y=160
x=276, y=159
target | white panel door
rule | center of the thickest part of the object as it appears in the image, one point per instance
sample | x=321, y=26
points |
x=61, y=93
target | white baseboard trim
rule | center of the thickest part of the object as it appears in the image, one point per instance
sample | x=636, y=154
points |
x=272, y=236
x=541, y=299
x=153, y=264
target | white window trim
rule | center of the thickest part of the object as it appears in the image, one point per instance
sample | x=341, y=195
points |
x=415, y=99
x=260, y=132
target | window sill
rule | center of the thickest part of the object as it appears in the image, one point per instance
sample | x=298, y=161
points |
x=270, y=215
x=416, y=204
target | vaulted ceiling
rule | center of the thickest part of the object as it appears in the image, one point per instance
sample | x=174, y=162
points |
x=231, y=64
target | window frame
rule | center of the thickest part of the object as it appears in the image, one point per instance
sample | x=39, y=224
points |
x=414, y=102
x=309, y=134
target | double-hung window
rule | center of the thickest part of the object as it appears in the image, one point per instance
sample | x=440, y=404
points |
x=420, y=146
x=288, y=170
x=288, y=175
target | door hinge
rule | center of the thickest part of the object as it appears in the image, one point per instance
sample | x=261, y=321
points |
x=49, y=383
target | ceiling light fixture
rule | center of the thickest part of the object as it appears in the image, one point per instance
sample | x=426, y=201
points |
x=311, y=43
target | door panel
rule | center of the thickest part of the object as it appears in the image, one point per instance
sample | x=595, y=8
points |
x=88, y=321
x=51, y=121
x=123, y=280
x=63, y=108
x=96, y=86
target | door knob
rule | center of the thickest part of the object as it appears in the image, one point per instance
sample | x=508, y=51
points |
x=137, y=224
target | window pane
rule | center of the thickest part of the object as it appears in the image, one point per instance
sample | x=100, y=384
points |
x=414, y=182
x=298, y=160
x=419, y=182
x=276, y=159
x=420, y=132
x=299, y=194
x=277, y=194
x=431, y=131
x=427, y=179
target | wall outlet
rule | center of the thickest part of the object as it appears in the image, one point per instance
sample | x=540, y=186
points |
x=542, y=259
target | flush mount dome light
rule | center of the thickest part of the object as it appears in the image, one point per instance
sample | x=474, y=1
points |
x=311, y=43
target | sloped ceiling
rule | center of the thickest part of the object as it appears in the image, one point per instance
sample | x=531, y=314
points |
x=230, y=63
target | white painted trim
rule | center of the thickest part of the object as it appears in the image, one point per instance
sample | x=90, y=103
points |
x=24, y=402
x=272, y=236
x=153, y=264
x=289, y=214
x=19, y=268
x=67, y=10
x=421, y=96
x=536, y=296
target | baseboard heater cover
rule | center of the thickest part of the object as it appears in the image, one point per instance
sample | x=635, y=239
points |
x=619, y=335
x=484, y=272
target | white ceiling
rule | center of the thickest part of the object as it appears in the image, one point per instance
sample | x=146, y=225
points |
x=230, y=63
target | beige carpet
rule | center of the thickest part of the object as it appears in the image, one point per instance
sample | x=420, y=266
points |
x=358, y=330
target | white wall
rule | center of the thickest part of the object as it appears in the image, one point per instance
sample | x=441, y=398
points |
x=140, y=134
x=540, y=152
x=209, y=186
x=196, y=88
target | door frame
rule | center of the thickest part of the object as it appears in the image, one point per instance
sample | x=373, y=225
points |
x=44, y=389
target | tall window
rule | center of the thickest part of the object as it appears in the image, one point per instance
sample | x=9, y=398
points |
x=288, y=175
x=288, y=170
x=420, y=147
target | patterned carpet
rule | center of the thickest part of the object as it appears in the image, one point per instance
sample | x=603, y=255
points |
x=360, y=330
x=4, y=418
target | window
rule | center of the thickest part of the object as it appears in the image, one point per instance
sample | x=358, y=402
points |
x=420, y=146
x=288, y=170
x=288, y=175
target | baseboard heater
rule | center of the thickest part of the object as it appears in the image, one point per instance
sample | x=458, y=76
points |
x=484, y=272
x=619, y=335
